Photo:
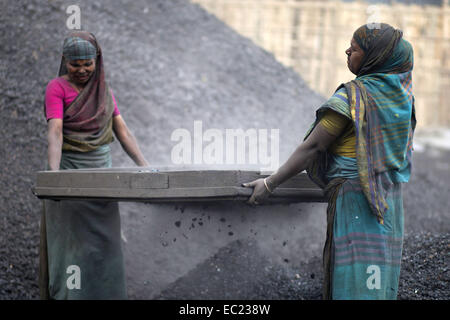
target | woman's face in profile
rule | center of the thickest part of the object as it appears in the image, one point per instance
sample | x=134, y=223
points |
x=354, y=56
x=80, y=71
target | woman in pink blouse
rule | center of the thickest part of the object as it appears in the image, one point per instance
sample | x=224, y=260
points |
x=80, y=251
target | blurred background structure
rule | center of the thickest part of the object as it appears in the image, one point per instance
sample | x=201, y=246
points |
x=312, y=35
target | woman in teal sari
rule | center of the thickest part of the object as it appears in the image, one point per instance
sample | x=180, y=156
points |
x=359, y=151
x=80, y=250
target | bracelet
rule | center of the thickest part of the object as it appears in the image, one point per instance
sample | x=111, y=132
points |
x=267, y=187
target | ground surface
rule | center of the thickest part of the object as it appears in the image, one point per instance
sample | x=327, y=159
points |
x=235, y=74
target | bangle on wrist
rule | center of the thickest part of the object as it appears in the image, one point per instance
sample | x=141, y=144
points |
x=267, y=186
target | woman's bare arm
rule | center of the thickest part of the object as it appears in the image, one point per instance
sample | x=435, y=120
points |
x=318, y=141
x=128, y=141
x=55, y=140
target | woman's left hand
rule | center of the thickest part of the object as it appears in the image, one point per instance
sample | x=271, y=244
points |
x=260, y=192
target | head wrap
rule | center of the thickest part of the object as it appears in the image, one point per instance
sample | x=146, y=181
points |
x=88, y=119
x=378, y=42
x=75, y=48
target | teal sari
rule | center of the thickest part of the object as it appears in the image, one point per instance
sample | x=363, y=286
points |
x=81, y=253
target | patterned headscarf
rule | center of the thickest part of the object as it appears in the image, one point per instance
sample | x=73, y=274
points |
x=88, y=119
x=75, y=48
x=378, y=42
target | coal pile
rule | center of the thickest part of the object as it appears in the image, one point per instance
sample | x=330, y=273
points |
x=425, y=267
x=249, y=275
x=424, y=274
x=170, y=63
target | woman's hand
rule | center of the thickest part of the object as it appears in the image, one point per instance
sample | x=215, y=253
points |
x=260, y=191
x=318, y=141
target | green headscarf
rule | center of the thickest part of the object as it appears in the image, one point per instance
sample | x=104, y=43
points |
x=384, y=49
x=75, y=48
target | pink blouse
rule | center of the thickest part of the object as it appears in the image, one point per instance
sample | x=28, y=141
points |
x=60, y=94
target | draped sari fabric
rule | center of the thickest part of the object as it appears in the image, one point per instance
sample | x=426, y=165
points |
x=88, y=119
x=362, y=253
